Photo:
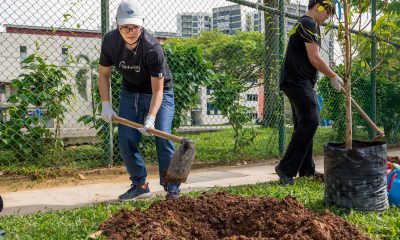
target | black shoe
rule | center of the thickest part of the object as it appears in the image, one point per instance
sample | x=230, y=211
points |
x=284, y=178
x=318, y=175
x=314, y=175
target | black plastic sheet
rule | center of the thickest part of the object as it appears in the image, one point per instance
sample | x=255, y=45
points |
x=356, y=178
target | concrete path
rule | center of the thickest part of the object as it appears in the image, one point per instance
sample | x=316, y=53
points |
x=31, y=201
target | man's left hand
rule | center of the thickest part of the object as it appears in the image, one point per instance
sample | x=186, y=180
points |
x=337, y=83
x=148, y=123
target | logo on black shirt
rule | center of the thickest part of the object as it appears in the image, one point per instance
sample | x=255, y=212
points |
x=123, y=65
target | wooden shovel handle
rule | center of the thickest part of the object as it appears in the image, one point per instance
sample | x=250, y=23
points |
x=153, y=131
x=380, y=133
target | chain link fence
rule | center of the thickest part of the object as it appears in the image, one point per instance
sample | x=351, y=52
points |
x=225, y=57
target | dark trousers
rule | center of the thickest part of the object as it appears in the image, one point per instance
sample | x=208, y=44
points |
x=298, y=156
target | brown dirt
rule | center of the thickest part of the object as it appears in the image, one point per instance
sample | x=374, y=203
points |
x=394, y=159
x=14, y=183
x=224, y=216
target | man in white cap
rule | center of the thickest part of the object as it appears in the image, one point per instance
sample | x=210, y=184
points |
x=146, y=95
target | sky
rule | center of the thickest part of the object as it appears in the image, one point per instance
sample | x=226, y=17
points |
x=160, y=14
x=85, y=14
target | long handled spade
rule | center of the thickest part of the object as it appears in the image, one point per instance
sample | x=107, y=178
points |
x=379, y=132
x=183, y=157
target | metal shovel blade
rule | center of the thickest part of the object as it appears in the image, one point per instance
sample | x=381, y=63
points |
x=181, y=162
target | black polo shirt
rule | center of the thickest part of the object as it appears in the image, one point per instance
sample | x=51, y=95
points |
x=297, y=68
x=136, y=69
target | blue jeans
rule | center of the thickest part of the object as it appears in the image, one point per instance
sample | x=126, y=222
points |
x=135, y=107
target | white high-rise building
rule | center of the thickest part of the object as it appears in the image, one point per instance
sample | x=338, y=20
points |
x=231, y=19
x=192, y=23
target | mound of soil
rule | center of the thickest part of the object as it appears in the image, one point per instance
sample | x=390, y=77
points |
x=394, y=159
x=224, y=216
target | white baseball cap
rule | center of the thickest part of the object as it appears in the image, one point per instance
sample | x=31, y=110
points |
x=129, y=13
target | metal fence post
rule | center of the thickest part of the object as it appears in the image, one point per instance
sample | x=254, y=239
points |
x=108, y=127
x=271, y=50
x=280, y=57
x=373, y=62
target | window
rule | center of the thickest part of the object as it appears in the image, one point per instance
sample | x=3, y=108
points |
x=291, y=10
x=254, y=81
x=253, y=115
x=237, y=25
x=224, y=13
x=64, y=55
x=187, y=18
x=235, y=12
x=236, y=19
x=23, y=53
x=211, y=110
x=209, y=90
x=252, y=97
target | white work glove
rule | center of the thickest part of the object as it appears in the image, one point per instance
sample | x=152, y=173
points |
x=148, y=123
x=337, y=83
x=106, y=111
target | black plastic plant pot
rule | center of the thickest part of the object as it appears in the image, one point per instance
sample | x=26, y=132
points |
x=356, y=178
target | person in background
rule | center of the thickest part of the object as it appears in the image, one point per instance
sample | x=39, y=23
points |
x=298, y=78
x=146, y=96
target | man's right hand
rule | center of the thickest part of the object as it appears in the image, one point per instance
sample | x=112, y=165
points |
x=337, y=83
x=107, y=112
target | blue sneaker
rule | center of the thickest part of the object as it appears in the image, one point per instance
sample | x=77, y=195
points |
x=136, y=192
x=173, y=191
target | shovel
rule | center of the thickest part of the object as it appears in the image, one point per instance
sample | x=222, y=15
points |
x=182, y=160
x=379, y=132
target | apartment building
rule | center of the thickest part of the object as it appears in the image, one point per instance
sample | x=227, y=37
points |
x=56, y=46
x=192, y=23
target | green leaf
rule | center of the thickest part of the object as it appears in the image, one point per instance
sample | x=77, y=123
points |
x=293, y=31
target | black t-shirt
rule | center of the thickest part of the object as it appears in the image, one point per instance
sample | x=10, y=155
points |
x=297, y=68
x=136, y=69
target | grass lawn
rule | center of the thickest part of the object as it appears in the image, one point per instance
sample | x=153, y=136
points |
x=211, y=148
x=80, y=223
